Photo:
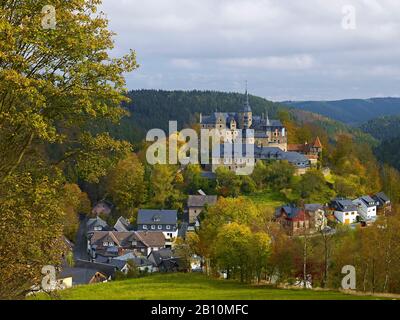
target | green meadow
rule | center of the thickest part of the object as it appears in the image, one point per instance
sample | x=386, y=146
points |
x=190, y=287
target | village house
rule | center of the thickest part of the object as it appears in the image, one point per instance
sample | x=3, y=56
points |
x=318, y=218
x=97, y=224
x=106, y=269
x=197, y=203
x=366, y=207
x=70, y=277
x=345, y=211
x=295, y=221
x=384, y=205
x=312, y=150
x=165, y=221
x=123, y=225
x=110, y=244
x=142, y=263
x=102, y=208
x=165, y=261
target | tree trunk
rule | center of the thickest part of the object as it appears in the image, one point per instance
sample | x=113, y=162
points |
x=305, y=262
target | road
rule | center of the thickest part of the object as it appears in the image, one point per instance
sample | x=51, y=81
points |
x=80, y=248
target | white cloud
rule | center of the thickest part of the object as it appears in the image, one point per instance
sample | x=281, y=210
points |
x=275, y=44
x=296, y=62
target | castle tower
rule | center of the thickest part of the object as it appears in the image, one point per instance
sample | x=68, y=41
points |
x=246, y=116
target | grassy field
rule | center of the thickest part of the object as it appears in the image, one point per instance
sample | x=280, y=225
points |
x=267, y=199
x=191, y=287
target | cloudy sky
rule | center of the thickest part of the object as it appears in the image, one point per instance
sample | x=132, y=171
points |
x=286, y=49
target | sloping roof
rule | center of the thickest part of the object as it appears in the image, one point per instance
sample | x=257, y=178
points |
x=151, y=239
x=122, y=224
x=102, y=207
x=313, y=206
x=97, y=222
x=295, y=147
x=119, y=238
x=79, y=275
x=208, y=175
x=293, y=213
x=126, y=257
x=368, y=201
x=119, y=264
x=345, y=205
x=382, y=197
x=106, y=269
x=201, y=201
x=183, y=230
x=317, y=143
x=157, y=216
x=161, y=255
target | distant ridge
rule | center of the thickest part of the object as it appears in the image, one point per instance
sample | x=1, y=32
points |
x=351, y=111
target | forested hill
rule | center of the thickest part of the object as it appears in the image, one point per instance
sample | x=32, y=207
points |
x=154, y=108
x=353, y=111
x=383, y=128
x=387, y=131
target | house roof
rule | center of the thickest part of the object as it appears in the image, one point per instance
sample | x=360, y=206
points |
x=106, y=269
x=139, y=261
x=368, y=201
x=208, y=175
x=161, y=255
x=151, y=239
x=313, y=206
x=102, y=207
x=201, y=201
x=79, y=275
x=126, y=257
x=97, y=222
x=317, y=143
x=292, y=213
x=263, y=153
x=382, y=197
x=344, y=205
x=122, y=224
x=305, y=147
x=157, y=216
x=119, y=264
x=119, y=238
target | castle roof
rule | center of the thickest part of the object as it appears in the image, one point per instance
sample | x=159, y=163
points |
x=317, y=143
x=246, y=106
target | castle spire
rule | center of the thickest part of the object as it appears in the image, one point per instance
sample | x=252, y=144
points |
x=246, y=106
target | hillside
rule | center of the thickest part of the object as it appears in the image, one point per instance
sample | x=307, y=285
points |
x=352, y=111
x=383, y=128
x=154, y=108
x=387, y=131
x=192, y=287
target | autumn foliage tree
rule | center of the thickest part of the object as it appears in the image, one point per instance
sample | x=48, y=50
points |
x=57, y=86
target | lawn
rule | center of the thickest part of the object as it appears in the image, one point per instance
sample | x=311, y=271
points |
x=267, y=199
x=191, y=287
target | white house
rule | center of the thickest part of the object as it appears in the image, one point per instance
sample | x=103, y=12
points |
x=345, y=211
x=366, y=207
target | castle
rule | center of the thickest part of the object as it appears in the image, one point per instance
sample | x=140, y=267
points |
x=270, y=140
x=267, y=133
